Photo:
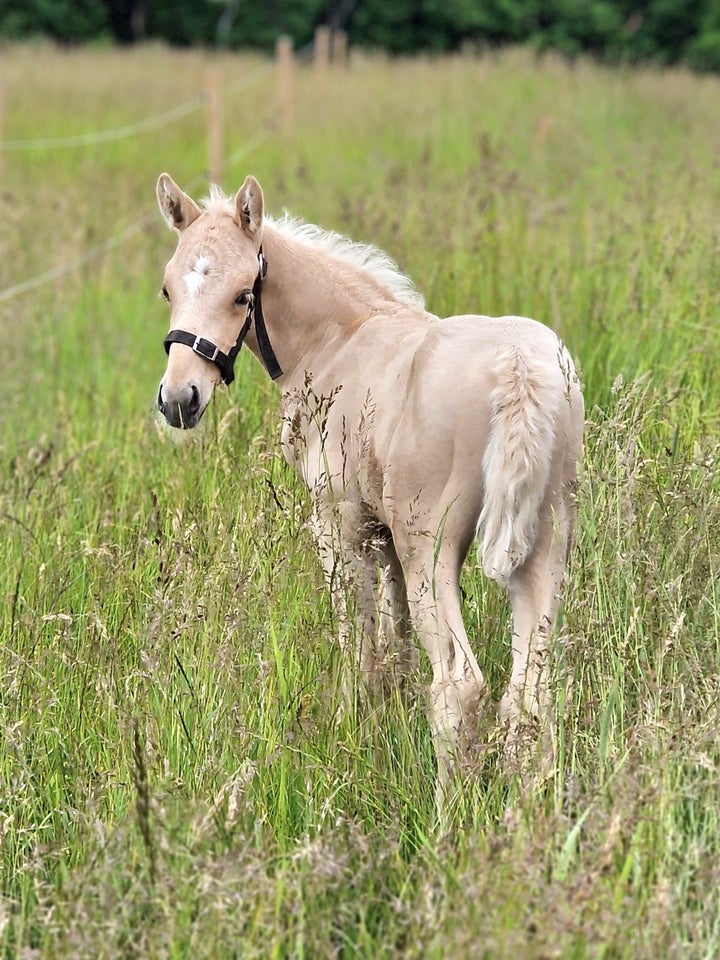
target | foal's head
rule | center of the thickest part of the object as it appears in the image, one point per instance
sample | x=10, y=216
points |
x=209, y=286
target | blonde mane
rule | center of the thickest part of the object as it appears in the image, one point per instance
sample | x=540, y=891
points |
x=360, y=256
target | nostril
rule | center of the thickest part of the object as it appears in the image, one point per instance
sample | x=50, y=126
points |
x=194, y=403
x=160, y=401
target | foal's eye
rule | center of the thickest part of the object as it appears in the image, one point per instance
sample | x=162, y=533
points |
x=165, y=293
x=244, y=298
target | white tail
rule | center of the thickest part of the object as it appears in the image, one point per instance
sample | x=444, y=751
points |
x=516, y=465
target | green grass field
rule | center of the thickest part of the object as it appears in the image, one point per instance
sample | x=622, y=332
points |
x=175, y=777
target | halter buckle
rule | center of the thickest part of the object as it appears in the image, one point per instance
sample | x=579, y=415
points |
x=206, y=348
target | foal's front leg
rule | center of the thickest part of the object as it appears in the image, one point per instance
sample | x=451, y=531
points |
x=367, y=587
x=396, y=641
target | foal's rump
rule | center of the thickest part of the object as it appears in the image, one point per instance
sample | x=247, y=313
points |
x=536, y=415
x=527, y=413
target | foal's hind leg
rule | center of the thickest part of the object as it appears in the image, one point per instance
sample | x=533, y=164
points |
x=458, y=687
x=535, y=590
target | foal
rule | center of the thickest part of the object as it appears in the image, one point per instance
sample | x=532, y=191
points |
x=415, y=435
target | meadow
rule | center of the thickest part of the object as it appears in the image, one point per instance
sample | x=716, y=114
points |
x=176, y=777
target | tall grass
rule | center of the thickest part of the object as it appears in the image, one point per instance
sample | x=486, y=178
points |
x=176, y=775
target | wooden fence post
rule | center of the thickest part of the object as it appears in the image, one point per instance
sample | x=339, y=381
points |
x=339, y=48
x=284, y=56
x=322, y=49
x=214, y=125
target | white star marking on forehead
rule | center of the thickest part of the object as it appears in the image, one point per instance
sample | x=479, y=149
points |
x=195, y=279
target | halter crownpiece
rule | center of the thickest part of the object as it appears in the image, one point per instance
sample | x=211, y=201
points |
x=225, y=362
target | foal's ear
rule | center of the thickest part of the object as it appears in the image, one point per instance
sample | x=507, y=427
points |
x=249, y=207
x=177, y=207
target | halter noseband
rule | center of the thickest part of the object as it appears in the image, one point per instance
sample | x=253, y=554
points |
x=225, y=362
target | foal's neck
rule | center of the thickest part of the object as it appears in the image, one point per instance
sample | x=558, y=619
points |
x=313, y=302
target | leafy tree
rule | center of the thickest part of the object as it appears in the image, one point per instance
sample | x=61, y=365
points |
x=68, y=21
x=182, y=22
x=127, y=19
x=260, y=22
x=703, y=51
x=573, y=27
x=667, y=31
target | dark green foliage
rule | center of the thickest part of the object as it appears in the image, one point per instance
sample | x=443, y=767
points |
x=616, y=31
x=703, y=50
x=68, y=21
x=182, y=23
x=703, y=54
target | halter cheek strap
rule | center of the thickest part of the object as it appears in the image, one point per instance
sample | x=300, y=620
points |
x=255, y=310
x=225, y=362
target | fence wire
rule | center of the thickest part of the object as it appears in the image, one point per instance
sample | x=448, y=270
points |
x=76, y=262
x=106, y=136
x=148, y=125
x=148, y=219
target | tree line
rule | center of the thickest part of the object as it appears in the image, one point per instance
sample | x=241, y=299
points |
x=615, y=31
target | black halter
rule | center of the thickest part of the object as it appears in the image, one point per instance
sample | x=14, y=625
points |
x=225, y=362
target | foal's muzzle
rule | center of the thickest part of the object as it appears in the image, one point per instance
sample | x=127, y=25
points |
x=181, y=408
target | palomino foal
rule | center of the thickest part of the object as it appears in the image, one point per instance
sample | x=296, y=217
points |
x=415, y=435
